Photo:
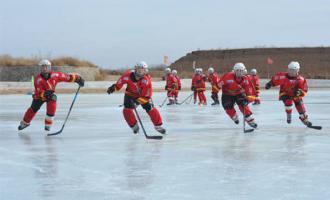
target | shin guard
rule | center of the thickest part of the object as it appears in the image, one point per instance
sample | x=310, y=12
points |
x=155, y=117
x=28, y=116
x=129, y=117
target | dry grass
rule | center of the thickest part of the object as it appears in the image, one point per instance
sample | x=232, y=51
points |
x=7, y=60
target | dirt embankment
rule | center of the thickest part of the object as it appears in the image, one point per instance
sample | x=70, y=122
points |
x=314, y=61
x=24, y=73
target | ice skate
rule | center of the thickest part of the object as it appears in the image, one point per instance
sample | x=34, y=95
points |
x=304, y=120
x=160, y=129
x=47, y=128
x=23, y=125
x=252, y=124
x=235, y=119
x=288, y=118
x=135, y=128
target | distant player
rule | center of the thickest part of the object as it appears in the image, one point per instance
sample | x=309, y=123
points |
x=198, y=86
x=178, y=85
x=256, y=83
x=237, y=89
x=213, y=78
x=138, y=91
x=171, y=85
x=293, y=88
x=44, y=92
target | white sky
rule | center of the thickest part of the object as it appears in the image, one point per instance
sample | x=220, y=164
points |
x=115, y=34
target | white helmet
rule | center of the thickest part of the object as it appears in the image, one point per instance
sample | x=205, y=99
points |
x=140, y=68
x=45, y=62
x=46, y=66
x=196, y=70
x=167, y=70
x=211, y=70
x=253, y=72
x=239, y=69
x=199, y=71
x=174, y=72
x=293, y=68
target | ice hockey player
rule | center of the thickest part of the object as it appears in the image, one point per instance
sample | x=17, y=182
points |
x=178, y=85
x=171, y=85
x=213, y=78
x=44, y=91
x=293, y=87
x=254, y=77
x=198, y=86
x=237, y=88
x=138, y=91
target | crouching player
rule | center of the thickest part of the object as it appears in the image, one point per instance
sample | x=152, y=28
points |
x=237, y=88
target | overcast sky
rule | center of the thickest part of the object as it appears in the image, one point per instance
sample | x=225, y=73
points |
x=115, y=34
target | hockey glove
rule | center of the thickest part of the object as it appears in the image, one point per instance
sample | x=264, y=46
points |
x=298, y=92
x=80, y=81
x=192, y=88
x=49, y=94
x=111, y=89
x=165, y=87
x=268, y=85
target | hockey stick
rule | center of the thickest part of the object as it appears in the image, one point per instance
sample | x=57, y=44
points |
x=315, y=127
x=67, y=116
x=190, y=99
x=163, y=102
x=246, y=130
x=186, y=99
x=155, y=137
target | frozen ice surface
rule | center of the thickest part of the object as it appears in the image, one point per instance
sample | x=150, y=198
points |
x=204, y=156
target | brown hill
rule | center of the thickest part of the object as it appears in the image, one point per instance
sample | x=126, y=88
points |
x=314, y=61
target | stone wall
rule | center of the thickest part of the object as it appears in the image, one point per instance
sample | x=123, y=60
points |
x=24, y=73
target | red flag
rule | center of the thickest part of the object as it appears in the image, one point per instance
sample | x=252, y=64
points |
x=269, y=61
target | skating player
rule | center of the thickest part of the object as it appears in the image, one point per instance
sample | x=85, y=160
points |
x=138, y=91
x=198, y=86
x=237, y=88
x=171, y=85
x=178, y=85
x=256, y=83
x=293, y=88
x=44, y=92
x=213, y=78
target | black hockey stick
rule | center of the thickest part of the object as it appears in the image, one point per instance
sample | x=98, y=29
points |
x=67, y=116
x=163, y=102
x=315, y=127
x=185, y=99
x=244, y=129
x=155, y=137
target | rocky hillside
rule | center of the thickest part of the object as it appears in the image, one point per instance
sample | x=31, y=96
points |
x=315, y=62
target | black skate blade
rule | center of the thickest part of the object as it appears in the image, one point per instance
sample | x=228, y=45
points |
x=155, y=137
x=52, y=134
x=248, y=130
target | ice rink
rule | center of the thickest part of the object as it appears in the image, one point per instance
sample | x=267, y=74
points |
x=203, y=156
